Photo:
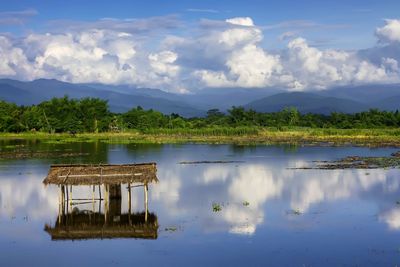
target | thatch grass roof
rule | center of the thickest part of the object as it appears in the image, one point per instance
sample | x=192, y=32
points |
x=85, y=174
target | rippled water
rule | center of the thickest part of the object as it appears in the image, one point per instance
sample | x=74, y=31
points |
x=270, y=215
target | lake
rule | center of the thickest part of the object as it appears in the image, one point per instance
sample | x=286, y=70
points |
x=253, y=210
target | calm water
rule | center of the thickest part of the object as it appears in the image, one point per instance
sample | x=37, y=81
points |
x=293, y=217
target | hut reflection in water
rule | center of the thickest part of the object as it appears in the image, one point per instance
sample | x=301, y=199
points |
x=73, y=223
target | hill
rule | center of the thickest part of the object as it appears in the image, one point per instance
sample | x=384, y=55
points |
x=306, y=103
x=34, y=92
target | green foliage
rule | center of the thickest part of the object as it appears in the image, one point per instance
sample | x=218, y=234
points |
x=65, y=115
x=56, y=115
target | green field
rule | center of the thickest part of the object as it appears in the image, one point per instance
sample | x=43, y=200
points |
x=226, y=135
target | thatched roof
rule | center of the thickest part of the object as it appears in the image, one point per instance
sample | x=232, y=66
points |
x=93, y=226
x=84, y=174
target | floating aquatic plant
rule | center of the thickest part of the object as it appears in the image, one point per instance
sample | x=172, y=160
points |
x=216, y=207
x=296, y=212
x=171, y=229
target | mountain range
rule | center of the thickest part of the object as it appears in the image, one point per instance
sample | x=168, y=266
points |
x=348, y=99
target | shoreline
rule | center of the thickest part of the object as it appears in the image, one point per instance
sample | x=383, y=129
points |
x=264, y=136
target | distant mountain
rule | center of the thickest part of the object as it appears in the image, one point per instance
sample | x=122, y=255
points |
x=348, y=99
x=306, y=103
x=34, y=92
x=17, y=95
x=391, y=103
x=205, y=99
x=133, y=90
x=225, y=98
x=364, y=93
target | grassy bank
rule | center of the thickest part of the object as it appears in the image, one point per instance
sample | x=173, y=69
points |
x=244, y=135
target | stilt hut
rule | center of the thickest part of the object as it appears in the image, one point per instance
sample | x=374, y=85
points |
x=109, y=180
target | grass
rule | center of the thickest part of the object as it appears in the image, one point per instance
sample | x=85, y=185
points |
x=223, y=135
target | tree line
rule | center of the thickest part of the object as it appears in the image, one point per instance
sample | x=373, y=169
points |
x=61, y=115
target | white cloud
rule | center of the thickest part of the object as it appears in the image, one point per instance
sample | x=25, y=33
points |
x=314, y=68
x=13, y=61
x=163, y=63
x=243, y=21
x=226, y=53
x=390, y=32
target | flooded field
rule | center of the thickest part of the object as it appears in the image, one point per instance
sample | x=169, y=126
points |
x=213, y=205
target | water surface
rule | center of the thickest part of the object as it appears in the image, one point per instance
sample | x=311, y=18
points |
x=270, y=215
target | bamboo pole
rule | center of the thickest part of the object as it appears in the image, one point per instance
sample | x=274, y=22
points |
x=66, y=190
x=105, y=203
x=93, y=192
x=70, y=191
x=59, y=204
x=63, y=199
x=129, y=198
x=145, y=202
x=129, y=203
x=100, y=199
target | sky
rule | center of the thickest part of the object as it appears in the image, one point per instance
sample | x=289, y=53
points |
x=183, y=46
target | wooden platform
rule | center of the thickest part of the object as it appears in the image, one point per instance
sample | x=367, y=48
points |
x=107, y=174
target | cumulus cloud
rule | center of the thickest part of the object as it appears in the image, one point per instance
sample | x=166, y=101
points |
x=227, y=53
x=390, y=32
x=310, y=67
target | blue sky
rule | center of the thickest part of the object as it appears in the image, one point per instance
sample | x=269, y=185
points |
x=324, y=25
x=355, y=20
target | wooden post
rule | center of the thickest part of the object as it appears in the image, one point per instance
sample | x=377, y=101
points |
x=67, y=202
x=59, y=204
x=99, y=198
x=63, y=199
x=93, y=192
x=70, y=200
x=105, y=202
x=145, y=202
x=129, y=203
x=114, y=191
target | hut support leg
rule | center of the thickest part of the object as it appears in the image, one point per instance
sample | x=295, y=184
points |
x=105, y=203
x=66, y=190
x=145, y=202
x=59, y=203
x=100, y=198
x=129, y=203
x=63, y=199
x=93, y=192
x=70, y=200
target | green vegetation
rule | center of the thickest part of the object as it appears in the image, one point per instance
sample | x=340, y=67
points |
x=359, y=162
x=56, y=116
x=63, y=120
x=216, y=207
x=296, y=212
